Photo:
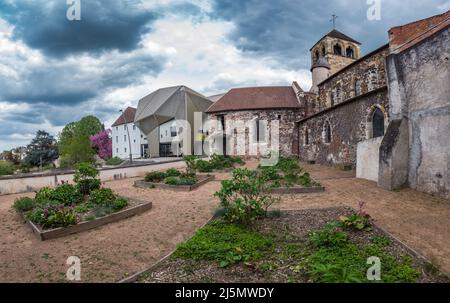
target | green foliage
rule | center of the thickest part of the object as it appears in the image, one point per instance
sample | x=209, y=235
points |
x=24, y=204
x=356, y=222
x=86, y=178
x=6, y=168
x=225, y=244
x=115, y=161
x=187, y=180
x=103, y=196
x=74, y=144
x=82, y=209
x=190, y=164
x=288, y=165
x=42, y=150
x=329, y=236
x=171, y=181
x=204, y=166
x=53, y=216
x=337, y=260
x=119, y=203
x=44, y=194
x=382, y=241
x=172, y=172
x=246, y=197
x=217, y=162
x=66, y=194
x=155, y=176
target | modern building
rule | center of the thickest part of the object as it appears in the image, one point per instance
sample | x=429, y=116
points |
x=168, y=118
x=126, y=135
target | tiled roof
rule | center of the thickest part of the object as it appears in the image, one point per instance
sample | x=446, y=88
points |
x=403, y=37
x=129, y=114
x=251, y=98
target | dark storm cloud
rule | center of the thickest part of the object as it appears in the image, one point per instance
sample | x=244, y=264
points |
x=105, y=25
x=287, y=29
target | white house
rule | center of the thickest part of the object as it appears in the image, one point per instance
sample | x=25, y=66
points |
x=125, y=134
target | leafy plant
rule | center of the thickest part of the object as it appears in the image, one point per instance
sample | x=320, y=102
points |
x=329, y=236
x=119, y=203
x=85, y=177
x=186, y=180
x=204, y=166
x=115, y=161
x=225, y=244
x=66, y=194
x=155, y=176
x=190, y=161
x=357, y=221
x=246, y=197
x=171, y=181
x=44, y=194
x=6, y=168
x=24, y=204
x=103, y=196
x=172, y=172
x=53, y=216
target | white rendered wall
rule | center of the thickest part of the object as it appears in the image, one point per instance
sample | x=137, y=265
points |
x=121, y=145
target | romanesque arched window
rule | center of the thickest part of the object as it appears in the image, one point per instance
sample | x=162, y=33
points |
x=306, y=136
x=327, y=132
x=357, y=87
x=349, y=52
x=324, y=51
x=317, y=55
x=337, y=50
x=378, y=123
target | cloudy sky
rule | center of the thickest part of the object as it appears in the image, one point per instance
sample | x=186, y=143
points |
x=54, y=71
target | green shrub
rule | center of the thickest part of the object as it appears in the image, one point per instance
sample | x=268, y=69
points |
x=171, y=181
x=86, y=178
x=288, y=165
x=103, y=211
x=204, y=166
x=191, y=162
x=114, y=161
x=24, y=204
x=246, y=197
x=82, y=209
x=53, y=216
x=172, y=172
x=356, y=222
x=187, y=180
x=329, y=236
x=119, y=203
x=103, y=196
x=66, y=194
x=155, y=176
x=44, y=194
x=6, y=168
x=226, y=244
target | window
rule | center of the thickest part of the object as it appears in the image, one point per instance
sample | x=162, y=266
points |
x=327, y=132
x=125, y=127
x=173, y=131
x=125, y=149
x=378, y=123
x=117, y=150
x=260, y=131
x=337, y=50
x=324, y=51
x=134, y=127
x=134, y=140
x=372, y=78
x=166, y=133
x=117, y=128
x=350, y=53
x=125, y=138
x=117, y=139
x=307, y=137
x=317, y=55
x=279, y=117
x=357, y=88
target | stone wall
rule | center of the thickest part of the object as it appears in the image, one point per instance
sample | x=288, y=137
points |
x=419, y=80
x=369, y=72
x=350, y=124
x=240, y=131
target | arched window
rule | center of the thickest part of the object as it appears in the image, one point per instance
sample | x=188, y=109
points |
x=324, y=51
x=327, y=132
x=349, y=52
x=357, y=87
x=378, y=123
x=338, y=50
x=317, y=55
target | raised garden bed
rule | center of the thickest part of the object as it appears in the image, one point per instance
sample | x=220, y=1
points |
x=201, y=180
x=136, y=207
x=297, y=189
x=291, y=246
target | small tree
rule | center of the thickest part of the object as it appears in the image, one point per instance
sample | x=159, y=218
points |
x=102, y=143
x=246, y=197
x=86, y=178
x=42, y=150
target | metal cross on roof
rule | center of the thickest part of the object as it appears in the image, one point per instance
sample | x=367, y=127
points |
x=333, y=19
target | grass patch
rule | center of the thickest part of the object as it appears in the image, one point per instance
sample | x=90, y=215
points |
x=225, y=244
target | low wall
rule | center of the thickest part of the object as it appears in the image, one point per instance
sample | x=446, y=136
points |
x=12, y=185
x=368, y=155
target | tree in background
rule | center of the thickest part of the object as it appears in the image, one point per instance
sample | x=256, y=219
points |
x=42, y=150
x=74, y=144
x=102, y=143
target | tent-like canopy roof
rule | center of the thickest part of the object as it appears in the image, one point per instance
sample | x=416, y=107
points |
x=165, y=104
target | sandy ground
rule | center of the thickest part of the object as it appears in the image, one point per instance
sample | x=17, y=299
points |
x=114, y=251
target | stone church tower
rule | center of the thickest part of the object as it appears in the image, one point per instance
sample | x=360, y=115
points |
x=332, y=53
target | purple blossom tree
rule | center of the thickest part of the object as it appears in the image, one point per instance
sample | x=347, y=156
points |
x=102, y=143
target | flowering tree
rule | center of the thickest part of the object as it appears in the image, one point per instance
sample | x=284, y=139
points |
x=102, y=143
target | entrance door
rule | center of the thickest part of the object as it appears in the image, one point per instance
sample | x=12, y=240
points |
x=165, y=150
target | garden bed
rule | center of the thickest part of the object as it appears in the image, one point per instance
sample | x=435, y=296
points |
x=201, y=180
x=135, y=207
x=298, y=189
x=291, y=246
